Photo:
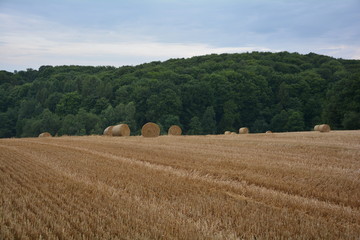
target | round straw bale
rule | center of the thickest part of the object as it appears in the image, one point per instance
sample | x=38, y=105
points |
x=268, y=132
x=174, y=130
x=227, y=132
x=233, y=133
x=243, y=130
x=121, y=130
x=324, y=128
x=108, y=131
x=316, y=128
x=150, y=130
x=45, y=134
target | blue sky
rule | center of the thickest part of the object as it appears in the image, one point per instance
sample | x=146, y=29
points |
x=130, y=32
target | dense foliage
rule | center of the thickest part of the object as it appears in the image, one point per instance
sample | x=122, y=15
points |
x=204, y=95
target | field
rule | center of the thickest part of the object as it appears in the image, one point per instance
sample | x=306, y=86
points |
x=303, y=185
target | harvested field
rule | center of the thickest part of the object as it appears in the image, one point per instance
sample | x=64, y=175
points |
x=281, y=185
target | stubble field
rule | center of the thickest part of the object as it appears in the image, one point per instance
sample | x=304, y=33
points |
x=258, y=186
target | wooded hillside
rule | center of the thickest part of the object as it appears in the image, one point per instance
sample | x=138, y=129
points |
x=204, y=95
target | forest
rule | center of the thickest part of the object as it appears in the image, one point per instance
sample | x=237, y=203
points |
x=204, y=95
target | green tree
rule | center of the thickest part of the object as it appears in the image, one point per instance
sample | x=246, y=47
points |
x=50, y=122
x=279, y=122
x=70, y=86
x=71, y=126
x=88, y=121
x=98, y=129
x=129, y=113
x=249, y=89
x=31, y=127
x=6, y=126
x=53, y=100
x=100, y=105
x=208, y=121
x=8, y=122
x=260, y=126
x=119, y=113
x=195, y=96
x=283, y=95
x=168, y=120
x=69, y=104
x=4, y=100
x=167, y=102
x=122, y=94
x=108, y=116
x=88, y=85
x=195, y=126
x=343, y=97
x=29, y=108
x=295, y=121
x=229, y=117
x=351, y=120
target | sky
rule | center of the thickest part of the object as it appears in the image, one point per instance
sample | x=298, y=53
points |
x=34, y=33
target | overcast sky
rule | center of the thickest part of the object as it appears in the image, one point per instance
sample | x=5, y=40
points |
x=130, y=32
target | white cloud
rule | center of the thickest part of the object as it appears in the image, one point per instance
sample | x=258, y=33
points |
x=33, y=49
x=33, y=42
x=342, y=51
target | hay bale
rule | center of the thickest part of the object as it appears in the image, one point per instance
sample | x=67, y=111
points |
x=244, y=130
x=316, y=128
x=324, y=128
x=227, y=132
x=150, y=130
x=108, y=131
x=175, y=130
x=268, y=132
x=233, y=133
x=121, y=130
x=45, y=134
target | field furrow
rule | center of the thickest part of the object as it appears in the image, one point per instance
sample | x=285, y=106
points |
x=308, y=182
x=294, y=185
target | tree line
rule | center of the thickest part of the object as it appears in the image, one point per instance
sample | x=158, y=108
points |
x=204, y=95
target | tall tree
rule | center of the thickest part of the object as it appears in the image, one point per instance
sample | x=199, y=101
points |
x=208, y=121
x=195, y=127
x=69, y=104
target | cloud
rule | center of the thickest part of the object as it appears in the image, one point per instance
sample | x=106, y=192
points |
x=129, y=33
x=33, y=42
x=41, y=51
